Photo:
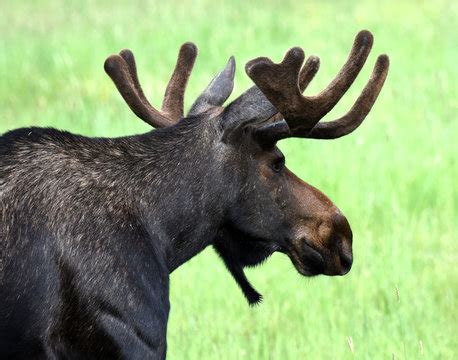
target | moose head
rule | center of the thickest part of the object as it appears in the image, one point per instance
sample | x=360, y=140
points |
x=264, y=207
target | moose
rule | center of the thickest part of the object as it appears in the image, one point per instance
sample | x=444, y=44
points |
x=91, y=228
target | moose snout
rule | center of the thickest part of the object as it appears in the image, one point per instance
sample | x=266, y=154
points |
x=329, y=251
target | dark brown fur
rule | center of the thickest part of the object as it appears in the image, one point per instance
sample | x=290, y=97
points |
x=91, y=228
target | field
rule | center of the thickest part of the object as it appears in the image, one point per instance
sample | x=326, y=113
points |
x=395, y=178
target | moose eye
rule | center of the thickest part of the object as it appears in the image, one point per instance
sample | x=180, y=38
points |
x=278, y=164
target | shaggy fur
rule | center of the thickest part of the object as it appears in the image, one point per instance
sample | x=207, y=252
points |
x=91, y=228
x=85, y=256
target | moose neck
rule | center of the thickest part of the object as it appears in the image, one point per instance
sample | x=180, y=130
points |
x=179, y=190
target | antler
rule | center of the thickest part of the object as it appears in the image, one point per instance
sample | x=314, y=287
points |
x=282, y=85
x=123, y=71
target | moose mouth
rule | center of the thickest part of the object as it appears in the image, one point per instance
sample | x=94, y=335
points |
x=307, y=260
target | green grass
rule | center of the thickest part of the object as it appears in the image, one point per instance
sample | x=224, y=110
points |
x=395, y=178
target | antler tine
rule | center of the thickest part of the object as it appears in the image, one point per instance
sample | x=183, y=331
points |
x=330, y=96
x=350, y=121
x=308, y=72
x=174, y=94
x=279, y=83
x=123, y=71
x=124, y=75
x=129, y=58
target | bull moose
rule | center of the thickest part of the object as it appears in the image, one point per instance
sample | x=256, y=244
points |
x=91, y=228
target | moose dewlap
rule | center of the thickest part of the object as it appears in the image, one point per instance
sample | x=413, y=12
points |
x=91, y=228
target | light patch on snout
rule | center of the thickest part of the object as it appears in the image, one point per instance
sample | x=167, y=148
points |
x=316, y=230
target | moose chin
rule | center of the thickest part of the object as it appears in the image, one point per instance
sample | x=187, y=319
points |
x=91, y=228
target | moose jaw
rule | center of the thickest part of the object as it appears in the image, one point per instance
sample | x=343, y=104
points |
x=91, y=228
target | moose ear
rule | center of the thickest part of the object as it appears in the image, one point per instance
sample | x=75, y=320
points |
x=249, y=108
x=217, y=92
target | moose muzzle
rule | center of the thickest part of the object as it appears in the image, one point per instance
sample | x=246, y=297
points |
x=323, y=246
x=321, y=240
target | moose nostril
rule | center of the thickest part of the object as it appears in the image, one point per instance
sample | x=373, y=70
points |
x=346, y=261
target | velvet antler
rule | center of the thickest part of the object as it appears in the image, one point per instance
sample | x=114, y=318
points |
x=123, y=71
x=281, y=84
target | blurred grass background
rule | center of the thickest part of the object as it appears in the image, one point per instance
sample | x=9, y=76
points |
x=395, y=178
